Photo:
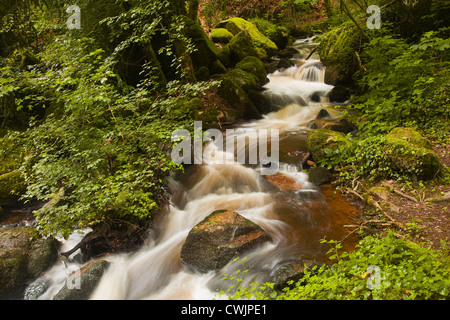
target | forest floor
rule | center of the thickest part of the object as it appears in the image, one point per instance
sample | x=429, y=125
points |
x=408, y=210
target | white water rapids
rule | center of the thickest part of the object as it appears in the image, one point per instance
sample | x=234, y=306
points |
x=296, y=221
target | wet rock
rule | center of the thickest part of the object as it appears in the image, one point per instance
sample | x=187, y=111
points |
x=81, y=284
x=23, y=257
x=339, y=94
x=218, y=239
x=36, y=289
x=292, y=270
x=319, y=175
x=283, y=182
x=323, y=114
x=341, y=125
x=284, y=63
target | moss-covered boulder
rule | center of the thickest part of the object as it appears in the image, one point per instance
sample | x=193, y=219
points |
x=412, y=160
x=23, y=257
x=337, y=52
x=254, y=66
x=218, y=239
x=221, y=35
x=237, y=25
x=321, y=140
x=410, y=135
x=241, y=46
x=235, y=88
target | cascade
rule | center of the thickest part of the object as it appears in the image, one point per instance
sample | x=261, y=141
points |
x=296, y=221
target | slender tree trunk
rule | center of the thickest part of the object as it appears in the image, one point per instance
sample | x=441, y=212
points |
x=193, y=9
x=328, y=8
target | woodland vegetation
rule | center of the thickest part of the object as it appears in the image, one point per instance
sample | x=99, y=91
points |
x=87, y=115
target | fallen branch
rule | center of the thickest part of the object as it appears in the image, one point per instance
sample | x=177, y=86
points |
x=445, y=197
x=405, y=195
x=355, y=193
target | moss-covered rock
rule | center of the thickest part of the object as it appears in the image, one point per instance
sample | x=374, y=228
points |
x=321, y=139
x=410, y=135
x=236, y=25
x=206, y=54
x=244, y=79
x=254, y=66
x=412, y=160
x=12, y=185
x=337, y=52
x=218, y=239
x=221, y=35
x=241, y=46
x=238, y=99
x=23, y=257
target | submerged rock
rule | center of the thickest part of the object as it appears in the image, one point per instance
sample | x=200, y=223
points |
x=283, y=182
x=218, y=239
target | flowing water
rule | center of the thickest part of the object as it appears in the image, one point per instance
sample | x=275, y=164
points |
x=296, y=220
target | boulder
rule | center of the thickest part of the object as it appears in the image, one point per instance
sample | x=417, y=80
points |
x=322, y=141
x=341, y=125
x=319, y=176
x=81, y=284
x=218, y=239
x=206, y=54
x=241, y=46
x=237, y=25
x=23, y=256
x=221, y=35
x=339, y=94
x=233, y=89
x=291, y=270
x=254, y=66
x=410, y=135
x=412, y=160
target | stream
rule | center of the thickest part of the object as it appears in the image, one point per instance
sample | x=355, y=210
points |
x=296, y=220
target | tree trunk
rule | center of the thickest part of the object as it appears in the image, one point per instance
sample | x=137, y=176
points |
x=193, y=10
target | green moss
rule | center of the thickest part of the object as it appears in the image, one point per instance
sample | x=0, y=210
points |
x=221, y=35
x=236, y=25
x=337, y=51
x=254, y=66
x=320, y=140
x=242, y=78
x=412, y=160
x=410, y=135
x=11, y=184
x=241, y=46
